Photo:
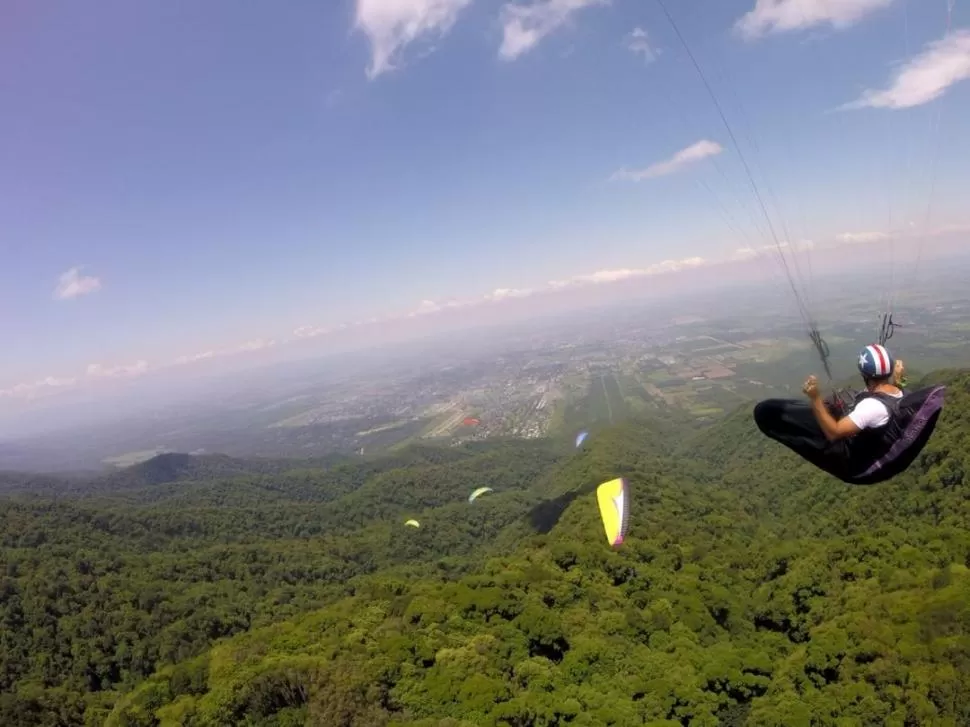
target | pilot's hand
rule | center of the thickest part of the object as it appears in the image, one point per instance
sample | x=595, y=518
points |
x=899, y=372
x=810, y=389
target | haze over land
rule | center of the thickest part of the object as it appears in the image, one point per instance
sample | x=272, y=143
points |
x=702, y=351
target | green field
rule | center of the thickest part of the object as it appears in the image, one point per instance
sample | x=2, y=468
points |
x=602, y=403
x=131, y=458
x=395, y=435
x=701, y=411
x=637, y=398
x=727, y=397
x=604, y=400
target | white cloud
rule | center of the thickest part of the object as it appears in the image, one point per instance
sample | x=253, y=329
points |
x=638, y=44
x=671, y=266
x=748, y=252
x=924, y=78
x=907, y=231
x=798, y=245
x=310, y=331
x=392, y=25
x=181, y=360
x=523, y=26
x=102, y=371
x=424, y=308
x=779, y=16
x=505, y=293
x=947, y=229
x=33, y=389
x=613, y=276
x=685, y=157
x=745, y=253
x=430, y=306
x=852, y=237
x=72, y=284
x=606, y=276
x=257, y=344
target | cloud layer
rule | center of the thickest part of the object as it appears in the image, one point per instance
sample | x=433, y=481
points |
x=96, y=371
x=523, y=26
x=506, y=293
x=747, y=253
x=34, y=389
x=852, y=237
x=52, y=385
x=684, y=158
x=500, y=295
x=924, y=78
x=72, y=284
x=102, y=371
x=779, y=16
x=639, y=45
x=257, y=344
x=392, y=25
x=310, y=331
x=192, y=358
x=616, y=275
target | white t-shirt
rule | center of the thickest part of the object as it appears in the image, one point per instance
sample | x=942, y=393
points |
x=871, y=413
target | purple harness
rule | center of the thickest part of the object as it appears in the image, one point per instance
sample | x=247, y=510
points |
x=930, y=406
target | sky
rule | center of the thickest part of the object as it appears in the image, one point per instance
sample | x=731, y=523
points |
x=184, y=183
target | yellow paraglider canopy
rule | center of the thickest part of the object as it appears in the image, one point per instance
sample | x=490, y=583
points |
x=413, y=523
x=614, y=509
x=480, y=491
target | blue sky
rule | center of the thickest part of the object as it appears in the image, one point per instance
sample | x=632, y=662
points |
x=183, y=181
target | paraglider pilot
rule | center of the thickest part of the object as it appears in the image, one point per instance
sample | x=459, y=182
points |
x=882, y=376
x=871, y=438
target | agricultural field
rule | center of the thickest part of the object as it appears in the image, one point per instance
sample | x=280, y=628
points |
x=132, y=458
x=393, y=435
x=604, y=401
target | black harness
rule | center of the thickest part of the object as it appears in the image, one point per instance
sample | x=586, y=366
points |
x=871, y=443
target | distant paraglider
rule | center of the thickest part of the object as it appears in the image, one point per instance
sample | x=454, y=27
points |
x=614, y=509
x=580, y=438
x=477, y=493
x=471, y=422
x=413, y=523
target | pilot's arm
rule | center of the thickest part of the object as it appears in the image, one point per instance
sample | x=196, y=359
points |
x=832, y=428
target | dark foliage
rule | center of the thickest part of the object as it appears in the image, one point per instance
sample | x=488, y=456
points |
x=752, y=590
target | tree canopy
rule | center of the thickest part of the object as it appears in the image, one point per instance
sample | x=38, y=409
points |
x=751, y=589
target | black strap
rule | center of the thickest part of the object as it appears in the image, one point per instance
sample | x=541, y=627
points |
x=892, y=402
x=888, y=328
x=822, y=348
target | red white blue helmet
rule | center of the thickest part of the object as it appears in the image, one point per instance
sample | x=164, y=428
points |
x=875, y=362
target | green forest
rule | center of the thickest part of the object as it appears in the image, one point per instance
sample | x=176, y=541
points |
x=752, y=589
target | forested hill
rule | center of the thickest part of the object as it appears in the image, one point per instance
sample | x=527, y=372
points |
x=752, y=590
